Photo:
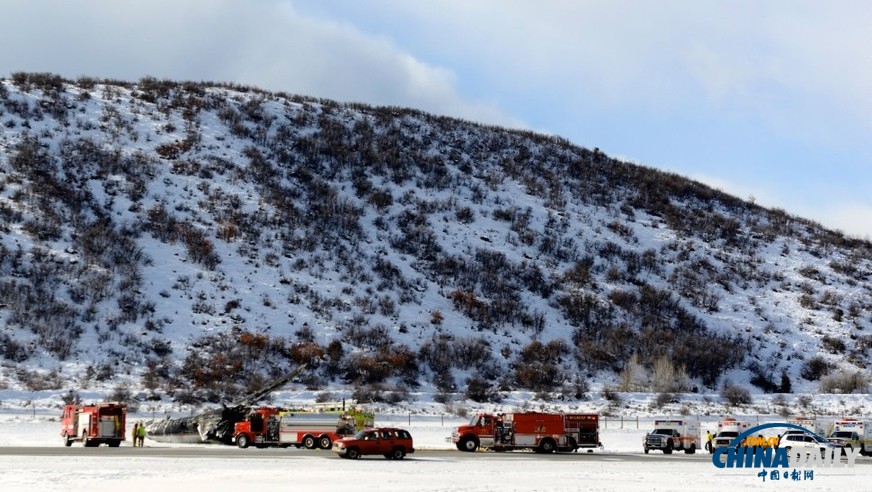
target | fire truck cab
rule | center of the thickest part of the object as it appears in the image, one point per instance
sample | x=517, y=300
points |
x=94, y=424
x=278, y=427
x=541, y=432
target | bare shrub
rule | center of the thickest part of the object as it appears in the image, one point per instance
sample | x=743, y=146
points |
x=845, y=382
x=815, y=368
x=663, y=375
x=735, y=394
x=833, y=345
x=633, y=377
x=537, y=367
x=611, y=395
x=480, y=390
x=121, y=393
x=664, y=399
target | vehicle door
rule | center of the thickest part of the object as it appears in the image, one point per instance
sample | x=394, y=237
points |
x=370, y=443
x=67, y=424
x=387, y=440
x=405, y=439
x=792, y=441
x=812, y=443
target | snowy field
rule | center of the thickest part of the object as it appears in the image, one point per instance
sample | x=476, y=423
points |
x=616, y=467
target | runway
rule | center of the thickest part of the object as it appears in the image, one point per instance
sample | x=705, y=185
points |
x=234, y=453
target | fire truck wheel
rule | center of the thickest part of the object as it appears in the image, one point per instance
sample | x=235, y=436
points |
x=113, y=444
x=67, y=441
x=309, y=442
x=547, y=446
x=468, y=444
x=691, y=449
x=325, y=442
x=352, y=453
x=242, y=441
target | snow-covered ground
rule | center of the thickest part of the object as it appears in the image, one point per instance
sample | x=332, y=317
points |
x=608, y=469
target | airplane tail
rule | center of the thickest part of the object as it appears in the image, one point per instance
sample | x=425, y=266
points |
x=254, y=397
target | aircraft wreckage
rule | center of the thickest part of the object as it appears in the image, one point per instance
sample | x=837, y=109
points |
x=214, y=426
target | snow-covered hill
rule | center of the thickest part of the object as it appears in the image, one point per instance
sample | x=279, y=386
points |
x=190, y=240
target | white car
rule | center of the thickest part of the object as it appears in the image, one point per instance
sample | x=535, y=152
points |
x=809, y=442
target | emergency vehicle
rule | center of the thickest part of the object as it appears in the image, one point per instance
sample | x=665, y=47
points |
x=272, y=426
x=669, y=435
x=854, y=434
x=541, y=432
x=810, y=424
x=791, y=437
x=94, y=424
x=728, y=429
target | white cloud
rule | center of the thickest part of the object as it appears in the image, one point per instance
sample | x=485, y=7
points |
x=266, y=43
x=850, y=218
x=759, y=58
x=756, y=193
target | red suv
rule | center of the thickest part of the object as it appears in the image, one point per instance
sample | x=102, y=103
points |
x=393, y=444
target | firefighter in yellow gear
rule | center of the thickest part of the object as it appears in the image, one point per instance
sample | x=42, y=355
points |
x=140, y=434
x=135, y=433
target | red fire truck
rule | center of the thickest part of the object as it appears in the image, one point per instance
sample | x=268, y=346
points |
x=272, y=426
x=541, y=432
x=94, y=424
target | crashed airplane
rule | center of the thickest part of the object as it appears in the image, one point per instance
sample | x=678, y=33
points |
x=214, y=426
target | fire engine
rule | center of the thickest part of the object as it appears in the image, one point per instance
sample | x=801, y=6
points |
x=94, y=424
x=272, y=426
x=728, y=429
x=541, y=432
x=672, y=435
x=854, y=434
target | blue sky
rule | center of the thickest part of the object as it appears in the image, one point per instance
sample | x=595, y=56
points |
x=771, y=100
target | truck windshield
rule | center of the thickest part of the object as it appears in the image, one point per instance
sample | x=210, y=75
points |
x=843, y=434
x=474, y=420
x=728, y=434
x=668, y=432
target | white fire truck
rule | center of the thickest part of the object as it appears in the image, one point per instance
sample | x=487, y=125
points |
x=728, y=429
x=853, y=434
x=94, y=424
x=673, y=435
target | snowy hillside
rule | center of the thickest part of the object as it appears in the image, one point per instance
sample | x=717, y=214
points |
x=191, y=240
